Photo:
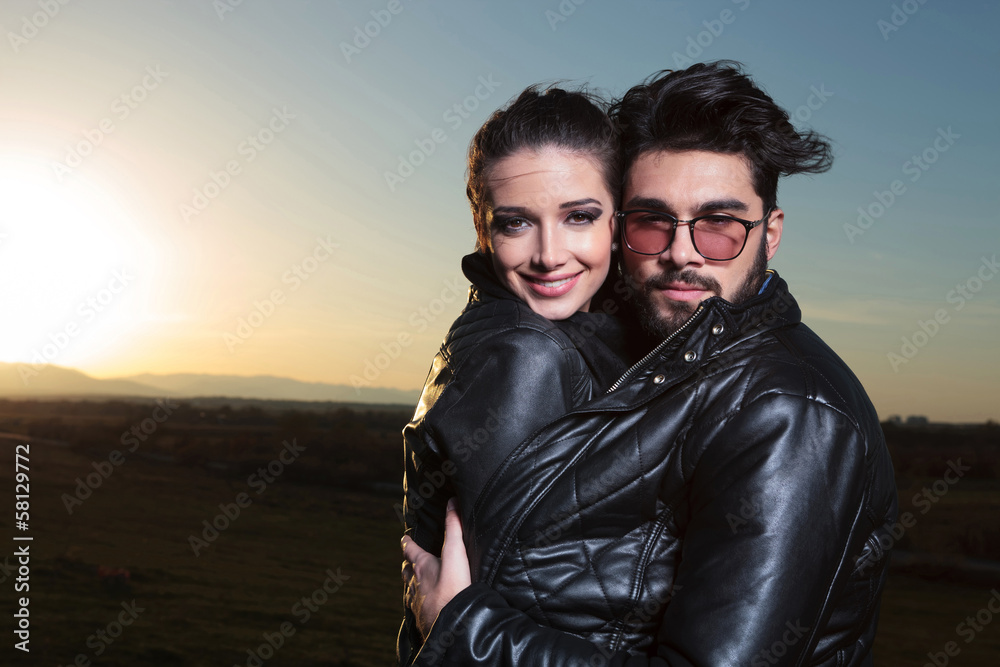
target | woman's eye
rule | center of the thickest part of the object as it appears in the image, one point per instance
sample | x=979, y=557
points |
x=581, y=217
x=511, y=225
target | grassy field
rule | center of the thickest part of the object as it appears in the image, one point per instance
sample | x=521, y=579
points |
x=212, y=608
x=920, y=617
x=215, y=608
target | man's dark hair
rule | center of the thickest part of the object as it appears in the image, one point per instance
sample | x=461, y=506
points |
x=717, y=107
x=571, y=120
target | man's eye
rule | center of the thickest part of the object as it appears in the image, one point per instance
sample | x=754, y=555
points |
x=655, y=219
x=717, y=221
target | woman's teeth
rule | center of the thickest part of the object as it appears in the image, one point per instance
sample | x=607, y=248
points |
x=554, y=283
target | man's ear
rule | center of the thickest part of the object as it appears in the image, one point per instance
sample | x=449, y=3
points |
x=775, y=224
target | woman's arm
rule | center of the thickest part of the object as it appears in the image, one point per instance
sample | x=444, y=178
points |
x=739, y=591
x=431, y=582
x=474, y=412
x=477, y=406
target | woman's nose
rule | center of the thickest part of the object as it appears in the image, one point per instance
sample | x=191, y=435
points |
x=550, y=250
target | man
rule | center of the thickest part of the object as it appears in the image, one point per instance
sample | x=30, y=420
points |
x=723, y=503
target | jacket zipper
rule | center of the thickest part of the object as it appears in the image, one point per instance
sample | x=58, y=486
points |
x=656, y=350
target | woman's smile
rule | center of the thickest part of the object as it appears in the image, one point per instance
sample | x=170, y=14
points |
x=551, y=229
x=552, y=286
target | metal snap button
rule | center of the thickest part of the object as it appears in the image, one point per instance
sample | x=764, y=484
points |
x=659, y=379
x=690, y=355
x=717, y=329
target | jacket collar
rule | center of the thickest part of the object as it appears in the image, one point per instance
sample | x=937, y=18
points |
x=725, y=324
x=772, y=308
x=478, y=268
x=599, y=337
x=717, y=326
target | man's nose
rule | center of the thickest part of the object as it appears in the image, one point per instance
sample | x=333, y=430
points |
x=681, y=252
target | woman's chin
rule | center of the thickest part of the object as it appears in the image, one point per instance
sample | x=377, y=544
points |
x=554, y=310
x=551, y=307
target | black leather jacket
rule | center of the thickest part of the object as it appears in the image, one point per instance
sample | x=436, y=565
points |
x=502, y=373
x=721, y=506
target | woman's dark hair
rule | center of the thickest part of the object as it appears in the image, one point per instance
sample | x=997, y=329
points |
x=716, y=107
x=573, y=120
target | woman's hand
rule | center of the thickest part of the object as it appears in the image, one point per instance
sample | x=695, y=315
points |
x=432, y=582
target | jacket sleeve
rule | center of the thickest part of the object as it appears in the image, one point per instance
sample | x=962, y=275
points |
x=773, y=518
x=473, y=416
x=470, y=418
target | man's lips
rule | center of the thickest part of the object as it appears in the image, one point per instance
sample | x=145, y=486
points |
x=683, y=292
x=551, y=286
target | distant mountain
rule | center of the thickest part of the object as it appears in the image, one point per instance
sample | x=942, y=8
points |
x=29, y=381
x=267, y=387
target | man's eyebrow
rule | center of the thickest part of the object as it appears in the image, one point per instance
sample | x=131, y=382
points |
x=646, y=202
x=729, y=204
x=725, y=205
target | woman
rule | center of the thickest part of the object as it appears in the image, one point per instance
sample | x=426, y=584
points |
x=542, y=173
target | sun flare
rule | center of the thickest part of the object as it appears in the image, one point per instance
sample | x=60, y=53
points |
x=64, y=266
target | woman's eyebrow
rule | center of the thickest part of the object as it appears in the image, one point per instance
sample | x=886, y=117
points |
x=516, y=210
x=579, y=202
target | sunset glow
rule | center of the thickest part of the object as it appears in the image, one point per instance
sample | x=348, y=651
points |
x=66, y=267
x=165, y=167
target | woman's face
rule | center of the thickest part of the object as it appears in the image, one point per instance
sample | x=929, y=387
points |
x=551, y=228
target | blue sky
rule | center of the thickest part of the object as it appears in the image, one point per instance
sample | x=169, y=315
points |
x=333, y=109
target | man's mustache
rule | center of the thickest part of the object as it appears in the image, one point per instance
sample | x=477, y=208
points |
x=689, y=277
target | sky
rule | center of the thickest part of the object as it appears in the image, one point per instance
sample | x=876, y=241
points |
x=251, y=187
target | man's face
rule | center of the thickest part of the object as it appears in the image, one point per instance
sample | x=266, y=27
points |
x=688, y=184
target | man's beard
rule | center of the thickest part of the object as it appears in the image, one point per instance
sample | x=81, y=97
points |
x=660, y=325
